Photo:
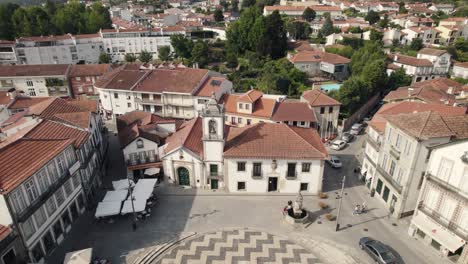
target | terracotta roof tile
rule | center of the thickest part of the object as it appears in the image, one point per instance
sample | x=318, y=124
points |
x=54, y=130
x=189, y=136
x=34, y=70
x=274, y=141
x=88, y=104
x=318, y=56
x=320, y=8
x=5, y=231
x=462, y=64
x=4, y=98
x=434, y=52
x=408, y=60
x=78, y=119
x=211, y=85
x=22, y=102
x=78, y=70
x=263, y=107
x=24, y=157
x=250, y=96
x=318, y=98
x=294, y=111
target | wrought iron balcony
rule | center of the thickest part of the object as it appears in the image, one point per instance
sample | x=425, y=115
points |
x=447, y=186
x=139, y=161
x=447, y=223
x=374, y=143
x=389, y=179
x=148, y=101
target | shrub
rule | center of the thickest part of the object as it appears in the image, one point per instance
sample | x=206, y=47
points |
x=330, y=217
x=323, y=195
x=323, y=205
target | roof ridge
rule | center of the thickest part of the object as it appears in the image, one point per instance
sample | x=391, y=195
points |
x=303, y=139
x=425, y=122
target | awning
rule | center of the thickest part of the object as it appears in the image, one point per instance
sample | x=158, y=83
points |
x=83, y=256
x=446, y=238
x=119, y=195
x=139, y=204
x=144, y=188
x=122, y=184
x=145, y=166
x=152, y=171
x=108, y=209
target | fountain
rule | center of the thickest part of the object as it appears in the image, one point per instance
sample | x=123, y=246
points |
x=294, y=213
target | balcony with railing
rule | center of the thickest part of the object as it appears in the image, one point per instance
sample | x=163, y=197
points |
x=396, y=185
x=147, y=100
x=447, y=186
x=143, y=160
x=180, y=102
x=374, y=143
x=395, y=152
x=442, y=220
x=215, y=175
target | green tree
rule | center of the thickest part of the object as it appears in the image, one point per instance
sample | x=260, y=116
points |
x=355, y=30
x=416, y=44
x=327, y=28
x=21, y=23
x=7, y=29
x=130, y=57
x=351, y=12
x=401, y=8
x=218, y=15
x=352, y=94
x=369, y=52
x=354, y=43
x=182, y=46
x=145, y=56
x=374, y=73
x=247, y=3
x=231, y=60
x=345, y=51
x=241, y=35
x=281, y=77
x=275, y=40
x=372, y=17
x=308, y=14
x=200, y=53
x=298, y=30
x=164, y=53
x=462, y=11
x=376, y=36
x=397, y=79
x=235, y=5
x=461, y=44
x=224, y=4
x=384, y=23
x=104, y=58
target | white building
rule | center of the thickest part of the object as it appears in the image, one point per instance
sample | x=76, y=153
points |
x=259, y=158
x=318, y=63
x=7, y=52
x=441, y=216
x=36, y=80
x=176, y=93
x=64, y=49
x=429, y=35
x=419, y=69
x=460, y=70
x=398, y=148
x=440, y=60
x=445, y=8
x=297, y=11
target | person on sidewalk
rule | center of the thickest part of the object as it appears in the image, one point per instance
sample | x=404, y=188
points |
x=357, y=209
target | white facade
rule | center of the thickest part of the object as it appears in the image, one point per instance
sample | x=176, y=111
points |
x=460, y=71
x=441, y=217
x=308, y=176
x=66, y=49
x=441, y=63
x=36, y=85
x=7, y=52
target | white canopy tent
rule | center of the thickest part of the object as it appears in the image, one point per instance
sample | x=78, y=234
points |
x=79, y=257
x=122, y=184
x=108, y=209
x=119, y=195
x=144, y=188
x=152, y=171
x=140, y=205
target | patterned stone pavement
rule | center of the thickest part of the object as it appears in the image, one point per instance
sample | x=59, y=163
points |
x=236, y=246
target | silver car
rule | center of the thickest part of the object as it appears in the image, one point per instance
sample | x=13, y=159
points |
x=356, y=129
x=338, y=144
x=334, y=162
x=347, y=137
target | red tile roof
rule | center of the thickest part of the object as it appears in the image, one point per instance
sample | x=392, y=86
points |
x=408, y=60
x=5, y=231
x=22, y=158
x=78, y=119
x=189, y=136
x=250, y=96
x=294, y=111
x=318, y=98
x=54, y=130
x=22, y=102
x=430, y=51
x=88, y=104
x=274, y=141
x=263, y=108
x=78, y=70
x=461, y=64
x=320, y=8
x=211, y=85
x=4, y=98
x=318, y=56
x=34, y=70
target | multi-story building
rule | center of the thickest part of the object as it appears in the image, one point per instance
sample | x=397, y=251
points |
x=118, y=42
x=418, y=69
x=83, y=76
x=419, y=22
x=441, y=215
x=263, y=157
x=7, y=52
x=36, y=80
x=176, y=92
x=140, y=136
x=297, y=11
x=428, y=35
x=327, y=111
x=445, y=8
x=64, y=49
x=319, y=63
x=11, y=247
x=440, y=60
x=460, y=70
x=41, y=199
x=254, y=107
x=398, y=147
x=448, y=34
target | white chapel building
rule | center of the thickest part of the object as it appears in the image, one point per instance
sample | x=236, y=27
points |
x=264, y=157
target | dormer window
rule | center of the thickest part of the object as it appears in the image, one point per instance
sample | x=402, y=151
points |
x=139, y=143
x=247, y=106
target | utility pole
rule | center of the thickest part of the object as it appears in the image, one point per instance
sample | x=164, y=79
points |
x=339, y=206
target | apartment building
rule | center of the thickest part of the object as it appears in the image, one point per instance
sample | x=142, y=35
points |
x=36, y=80
x=254, y=107
x=168, y=92
x=118, y=42
x=7, y=52
x=327, y=111
x=441, y=215
x=398, y=147
x=440, y=60
x=64, y=49
x=460, y=70
x=417, y=22
x=42, y=199
x=140, y=136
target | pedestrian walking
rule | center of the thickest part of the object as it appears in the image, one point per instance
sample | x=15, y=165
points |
x=357, y=209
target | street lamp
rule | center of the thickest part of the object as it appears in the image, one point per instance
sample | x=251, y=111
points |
x=339, y=206
x=130, y=188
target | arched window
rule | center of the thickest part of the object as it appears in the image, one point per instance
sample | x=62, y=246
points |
x=139, y=143
x=212, y=127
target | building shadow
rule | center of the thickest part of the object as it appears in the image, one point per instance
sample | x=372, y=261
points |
x=332, y=177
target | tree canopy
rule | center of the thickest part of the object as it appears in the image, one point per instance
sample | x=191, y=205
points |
x=145, y=56
x=372, y=17
x=308, y=14
x=327, y=28
x=218, y=15
x=164, y=53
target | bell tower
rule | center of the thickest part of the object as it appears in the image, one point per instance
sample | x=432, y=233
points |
x=212, y=116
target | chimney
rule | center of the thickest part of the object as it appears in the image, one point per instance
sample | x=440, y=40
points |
x=450, y=90
x=12, y=93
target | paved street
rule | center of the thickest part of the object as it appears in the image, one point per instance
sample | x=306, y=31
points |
x=179, y=212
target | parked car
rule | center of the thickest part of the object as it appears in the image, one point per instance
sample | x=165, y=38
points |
x=334, y=162
x=378, y=251
x=356, y=129
x=338, y=144
x=347, y=137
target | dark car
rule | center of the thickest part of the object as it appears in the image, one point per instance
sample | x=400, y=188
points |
x=347, y=137
x=378, y=251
